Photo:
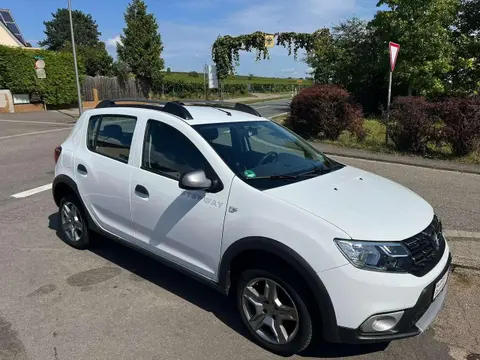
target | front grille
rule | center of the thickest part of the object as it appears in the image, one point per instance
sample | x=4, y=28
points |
x=425, y=253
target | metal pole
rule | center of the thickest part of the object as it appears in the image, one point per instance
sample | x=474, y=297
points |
x=388, y=107
x=204, y=80
x=79, y=94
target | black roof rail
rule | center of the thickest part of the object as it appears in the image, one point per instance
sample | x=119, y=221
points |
x=113, y=102
x=176, y=107
x=222, y=104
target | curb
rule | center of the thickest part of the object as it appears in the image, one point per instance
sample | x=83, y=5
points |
x=402, y=162
x=456, y=235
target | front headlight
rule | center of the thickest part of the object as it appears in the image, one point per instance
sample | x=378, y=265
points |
x=378, y=256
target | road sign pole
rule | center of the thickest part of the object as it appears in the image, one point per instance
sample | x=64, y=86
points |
x=388, y=106
x=79, y=94
x=205, y=80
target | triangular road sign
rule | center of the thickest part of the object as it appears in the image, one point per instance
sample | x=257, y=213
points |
x=394, y=50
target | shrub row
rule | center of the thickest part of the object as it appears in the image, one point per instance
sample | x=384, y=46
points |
x=17, y=73
x=415, y=122
x=325, y=111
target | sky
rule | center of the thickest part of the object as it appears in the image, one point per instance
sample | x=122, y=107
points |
x=189, y=27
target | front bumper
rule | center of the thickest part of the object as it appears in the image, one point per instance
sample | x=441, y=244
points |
x=414, y=321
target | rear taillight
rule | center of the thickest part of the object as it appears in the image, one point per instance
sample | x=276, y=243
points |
x=56, y=155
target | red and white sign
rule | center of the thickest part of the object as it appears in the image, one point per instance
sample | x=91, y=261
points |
x=394, y=50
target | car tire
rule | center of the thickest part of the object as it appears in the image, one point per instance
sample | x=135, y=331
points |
x=73, y=223
x=290, y=337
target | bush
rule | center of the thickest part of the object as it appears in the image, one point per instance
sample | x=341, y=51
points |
x=325, y=111
x=17, y=73
x=462, y=123
x=413, y=123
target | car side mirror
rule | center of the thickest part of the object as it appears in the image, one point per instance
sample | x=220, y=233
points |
x=195, y=180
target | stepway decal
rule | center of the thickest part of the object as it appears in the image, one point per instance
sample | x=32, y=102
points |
x=206, y=200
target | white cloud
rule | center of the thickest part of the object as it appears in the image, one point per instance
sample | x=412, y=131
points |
x=112, y=42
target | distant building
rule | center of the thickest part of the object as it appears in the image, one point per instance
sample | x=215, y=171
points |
x=10, y=33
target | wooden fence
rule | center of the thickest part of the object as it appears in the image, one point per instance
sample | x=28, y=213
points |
x=109, y=88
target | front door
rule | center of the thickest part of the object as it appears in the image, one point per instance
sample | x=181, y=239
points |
x=183, y=226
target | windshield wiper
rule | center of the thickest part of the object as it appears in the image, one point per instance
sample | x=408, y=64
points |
x=274, y=177
x=319, y=171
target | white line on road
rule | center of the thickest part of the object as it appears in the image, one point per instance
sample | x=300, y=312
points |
x=33, y=191
x=36, y=122
x=33, y=133
x=277, y=115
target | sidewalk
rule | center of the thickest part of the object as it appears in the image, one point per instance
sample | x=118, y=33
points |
x=413, y=160
x=466, y=252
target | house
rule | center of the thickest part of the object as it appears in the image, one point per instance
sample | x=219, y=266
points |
x=10, y=33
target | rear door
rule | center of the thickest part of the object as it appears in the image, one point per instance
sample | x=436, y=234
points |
x=103, y=171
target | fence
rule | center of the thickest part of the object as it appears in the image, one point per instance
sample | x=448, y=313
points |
x=109, y=88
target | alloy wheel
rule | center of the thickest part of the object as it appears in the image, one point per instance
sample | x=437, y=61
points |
x=72, y=223
x=270, y=311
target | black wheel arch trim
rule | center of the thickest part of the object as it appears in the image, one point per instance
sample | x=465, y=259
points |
x=67, y=180
x=321, y=296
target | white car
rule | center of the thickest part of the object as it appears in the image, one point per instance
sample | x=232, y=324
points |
x=303, y=243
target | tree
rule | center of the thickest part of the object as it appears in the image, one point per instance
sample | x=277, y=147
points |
x=169, y=70
x=465, y=76
x=346, y=56
x=423, y=30
x=87, y=40
x=141, y=45
x=58, y=34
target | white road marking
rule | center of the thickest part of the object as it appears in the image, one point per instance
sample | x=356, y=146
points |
x=277, y=115
x=30, y=192
x=36, y=122
x=34, y=133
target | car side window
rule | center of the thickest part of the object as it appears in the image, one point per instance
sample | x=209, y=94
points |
x=168, y=152
x=111, y=135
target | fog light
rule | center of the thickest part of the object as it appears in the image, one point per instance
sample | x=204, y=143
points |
x=381, y=323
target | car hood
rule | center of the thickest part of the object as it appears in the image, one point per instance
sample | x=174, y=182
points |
x=364, y=205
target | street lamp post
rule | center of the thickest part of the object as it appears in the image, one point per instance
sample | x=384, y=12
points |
x=79, y=94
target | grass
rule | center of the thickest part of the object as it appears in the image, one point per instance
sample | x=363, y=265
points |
x=375, y=142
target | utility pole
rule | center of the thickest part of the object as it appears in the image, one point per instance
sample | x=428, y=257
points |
x=79, y=94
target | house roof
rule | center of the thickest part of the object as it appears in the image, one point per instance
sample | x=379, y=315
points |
x=7, y=20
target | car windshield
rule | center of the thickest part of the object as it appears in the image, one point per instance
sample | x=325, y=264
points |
x=266, y=154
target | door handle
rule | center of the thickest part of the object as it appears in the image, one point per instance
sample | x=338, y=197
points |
x=82, y=169
x=141, y=191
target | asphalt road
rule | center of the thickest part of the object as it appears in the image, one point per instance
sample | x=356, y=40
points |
x=272, y=108
x=111, y=303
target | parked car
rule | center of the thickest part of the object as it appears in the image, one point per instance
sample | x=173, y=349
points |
x=304, y=243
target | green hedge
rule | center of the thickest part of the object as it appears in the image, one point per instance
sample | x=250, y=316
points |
x=17, y=73
x=184, y=89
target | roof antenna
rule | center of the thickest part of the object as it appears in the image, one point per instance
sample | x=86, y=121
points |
x=226, y=112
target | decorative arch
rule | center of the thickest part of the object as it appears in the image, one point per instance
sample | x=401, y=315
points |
x=226, y=49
